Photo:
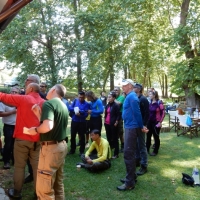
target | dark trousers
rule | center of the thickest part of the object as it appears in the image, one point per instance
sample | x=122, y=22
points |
x=112, y=137
x=8, y=131
x=97, y=166
x=78, y=127
x=153, y=130
x=96, y=123
x=130, y=142
x=30, y=169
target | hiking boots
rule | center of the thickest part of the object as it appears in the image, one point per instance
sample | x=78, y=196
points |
x=142, y=171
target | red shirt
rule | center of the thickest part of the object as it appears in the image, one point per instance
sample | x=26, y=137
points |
x=25, y=116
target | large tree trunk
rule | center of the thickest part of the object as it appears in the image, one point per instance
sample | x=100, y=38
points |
x=191, y=97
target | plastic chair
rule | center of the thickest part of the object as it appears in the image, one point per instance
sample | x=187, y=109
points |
x=173, y=120
x=184, y=128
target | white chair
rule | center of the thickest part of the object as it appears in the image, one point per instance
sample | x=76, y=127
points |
x=173, y=120
x=184, y=128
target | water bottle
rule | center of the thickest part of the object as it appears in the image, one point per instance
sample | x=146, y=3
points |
x=195, y=175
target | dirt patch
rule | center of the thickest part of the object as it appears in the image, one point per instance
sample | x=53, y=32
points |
x=6, y=177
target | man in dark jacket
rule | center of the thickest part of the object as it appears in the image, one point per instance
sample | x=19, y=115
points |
x=141, y=151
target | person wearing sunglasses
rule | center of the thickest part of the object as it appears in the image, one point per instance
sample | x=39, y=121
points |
x=43, y=89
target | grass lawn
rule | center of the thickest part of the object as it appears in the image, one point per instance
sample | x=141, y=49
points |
x=162, y=182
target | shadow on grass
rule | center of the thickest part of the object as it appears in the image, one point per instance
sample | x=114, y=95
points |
x=162, y=182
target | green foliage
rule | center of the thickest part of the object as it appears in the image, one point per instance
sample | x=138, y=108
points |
x=137, y=37
x=5, y=90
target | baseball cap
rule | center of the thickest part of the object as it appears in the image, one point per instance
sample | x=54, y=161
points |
x=127, y=81
x=137, y=85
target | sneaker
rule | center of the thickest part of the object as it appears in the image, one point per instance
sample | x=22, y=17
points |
x=123, y=180
x=124, y=187
x=87, y=145
x=70, y=152
x=81, y=164
x=14, y=194
x=6, y=166
x=121, y=150
x=114, y=157
x=80, y=154
x=153, y=154
x=78, y=144
x=142, y=171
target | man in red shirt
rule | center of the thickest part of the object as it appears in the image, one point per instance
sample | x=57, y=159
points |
x=26, y=146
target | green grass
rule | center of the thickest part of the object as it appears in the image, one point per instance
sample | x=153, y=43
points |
x=162, y=182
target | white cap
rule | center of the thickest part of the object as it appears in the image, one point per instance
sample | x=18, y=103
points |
x=127, y=81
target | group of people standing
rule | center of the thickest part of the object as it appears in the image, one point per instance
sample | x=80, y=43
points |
x=41, y=128
x=133, y=112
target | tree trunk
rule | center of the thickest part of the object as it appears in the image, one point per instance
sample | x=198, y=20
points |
x=112, y=75
x=191, y=98
x=125, y=71
x=105, y=80
x=166, y=87
x=78, y=53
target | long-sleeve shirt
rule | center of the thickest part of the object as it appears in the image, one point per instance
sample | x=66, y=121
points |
x=114, y=112
x=144, y=108
x=103, y=150
x=83, y=110
x=96, y=107
x=25, y=116
x=157, y=111
x=131, y=111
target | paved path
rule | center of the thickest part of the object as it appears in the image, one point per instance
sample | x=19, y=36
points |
x=3, y=196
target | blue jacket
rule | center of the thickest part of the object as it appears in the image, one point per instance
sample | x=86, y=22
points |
x=96, y=107
x=83, y=110
x=131, y=112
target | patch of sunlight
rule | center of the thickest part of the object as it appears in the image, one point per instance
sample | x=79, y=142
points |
x=169, y=173
x=188, y=163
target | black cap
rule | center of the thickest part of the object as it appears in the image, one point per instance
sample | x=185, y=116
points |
x=137, y=85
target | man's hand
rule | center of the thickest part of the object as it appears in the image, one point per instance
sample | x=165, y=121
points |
x=37, y=111
x=89, y=161
x=89, y=111
x=145, y=129
x=29, y=131
x=87, y=157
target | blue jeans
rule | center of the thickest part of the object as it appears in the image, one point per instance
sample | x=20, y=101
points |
x=141, y=150
x=130, y=143
x=8, y=131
